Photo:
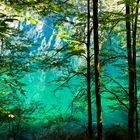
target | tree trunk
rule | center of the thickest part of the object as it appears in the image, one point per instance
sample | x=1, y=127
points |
x=134, y=64
x=97, y=70
x=131, y=77
x=88, y=73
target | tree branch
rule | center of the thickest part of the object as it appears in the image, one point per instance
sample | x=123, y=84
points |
x=119, y=100
x=75, y=99
x=118, y=84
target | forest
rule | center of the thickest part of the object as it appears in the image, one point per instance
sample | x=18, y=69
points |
x=69, y=70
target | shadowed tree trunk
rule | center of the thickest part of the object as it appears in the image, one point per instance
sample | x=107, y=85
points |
x=88, y=73
x=97, y=70
x=134, y=64
x=131, y=76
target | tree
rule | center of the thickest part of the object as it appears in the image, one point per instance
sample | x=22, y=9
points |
x=134, y=33
x=131, y=75
x=88, y=73
x=97, y=69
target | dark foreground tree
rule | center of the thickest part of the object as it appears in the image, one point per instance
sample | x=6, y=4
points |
x=130, y=73
x=88, y=73
x=134, y=64
x=97, y=69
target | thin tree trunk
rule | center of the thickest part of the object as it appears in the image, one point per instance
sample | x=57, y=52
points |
x=134, y=64
x=97, y=70
x=131, y=77
x=88, y=73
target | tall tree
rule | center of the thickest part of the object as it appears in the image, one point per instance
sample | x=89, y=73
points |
x=88, y=73
x=134, y=63
x=130, y=73
x=97, y=68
